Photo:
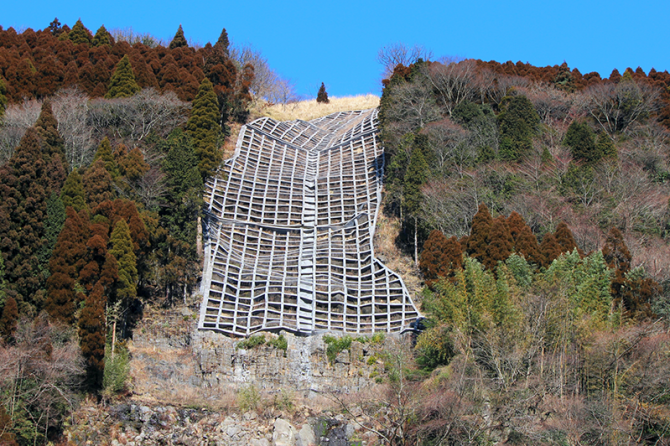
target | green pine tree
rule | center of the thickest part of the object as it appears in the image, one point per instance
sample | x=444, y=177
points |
x=582, y=142
x=204, y=128
x=102, y=37
x=122, y=83
x=105, y=154
x=73, y=193
x=518, y=122
x=415, y=177
x=122, y=250
x=179, y=40
x=79, y=34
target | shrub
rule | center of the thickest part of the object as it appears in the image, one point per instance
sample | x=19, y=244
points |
x=248, y=398
x=117, y=368
x=279, y=343
x=336, y=345
x=251, y=342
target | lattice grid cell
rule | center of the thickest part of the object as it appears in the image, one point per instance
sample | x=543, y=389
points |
x=289, y=229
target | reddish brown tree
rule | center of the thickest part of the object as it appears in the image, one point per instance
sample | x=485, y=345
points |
x=97, y=184
x=479, y=233
x=516, y=224
x=92, y=334
x=550, y=250
x=564, y=238
x=527, y=246
x=500, y=243
x=9, y=319
x=440, y=257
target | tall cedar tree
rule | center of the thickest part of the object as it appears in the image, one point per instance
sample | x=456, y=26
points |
x=516, y=224
x=123, y=83
x=582, y=142
x=69, y=257
x=564, y=238
x=527, y=246
x=92, y=335
x=322, y=95
x=52, y=226
x=440, y=257
x=3, y=97
x=122, y=250
x=179, y=40
x=619, y=258
x=53, y=147
x=3, y=282
x=73, y=193
x=479, y=233
x=23, y=203
x=203, y=126
x=500, y=243
x=9, y=319
x=550, y=250
x=415, y=177
x=518, y=122
x=79, y=34
x=223, y=42
x=222, y=73
x=102, y=37
x=104, y=153
x=97, y=184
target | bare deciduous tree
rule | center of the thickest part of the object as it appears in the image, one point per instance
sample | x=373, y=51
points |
x=71, y=110
x=389, y=56
x=16, y=120
x=454, y=82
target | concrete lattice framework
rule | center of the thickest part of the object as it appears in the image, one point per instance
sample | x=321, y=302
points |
x=288, y=238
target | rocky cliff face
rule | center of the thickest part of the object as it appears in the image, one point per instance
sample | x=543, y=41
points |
x=199, y=388
x=170, y=357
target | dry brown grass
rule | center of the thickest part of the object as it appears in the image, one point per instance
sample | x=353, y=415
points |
x=307, y=110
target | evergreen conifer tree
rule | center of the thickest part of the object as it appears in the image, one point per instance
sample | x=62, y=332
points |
x=97, y=184
x=500, y=243
x=122, y=83
x=516, y=223
x=73, y=193
x=518, y=122
x=9, y=319
x=102, y=37
x=92, y=335
x=605, y=146
x=479, y=233
x=415, y=177
x=550, y=250
x=582, y=142
x=79, y=34
x=69, y=257
x=564, y=238
x=104, y=153
x=52, y=226
x=322, y=96
x=179, y=40
x=223, y=42
x=3, y=97
x=526, y=245
x=23, y=202
x=204, y=128
x=440, y=257
x=122, y=250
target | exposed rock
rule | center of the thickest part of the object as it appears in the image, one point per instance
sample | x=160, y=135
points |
x=284, y=434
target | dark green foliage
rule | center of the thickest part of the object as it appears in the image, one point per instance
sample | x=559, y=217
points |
x=440, y=257
x=280, y=343
x=23, y=202
x=564, y=79
x=102, y=37
x=435, y=347
x=98, y=185
x=605, y=146
x=79, y=34
x=335, y=345
x=203, y=126
x=104, y=153
x=122, y=83
x=179, y=40
x=251, y=342
x=518, y=122
x=479, y=234
x=322, y=95
x=415, y=177
x=92, y=335
x=9, y=319
x=582, y=142
x=73, y=193
x=122, y=250
x=500, y=243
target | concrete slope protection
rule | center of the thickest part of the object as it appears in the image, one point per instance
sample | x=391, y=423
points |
x=289, y=230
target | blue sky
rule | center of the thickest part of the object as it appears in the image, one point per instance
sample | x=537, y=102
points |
x=337, y=42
